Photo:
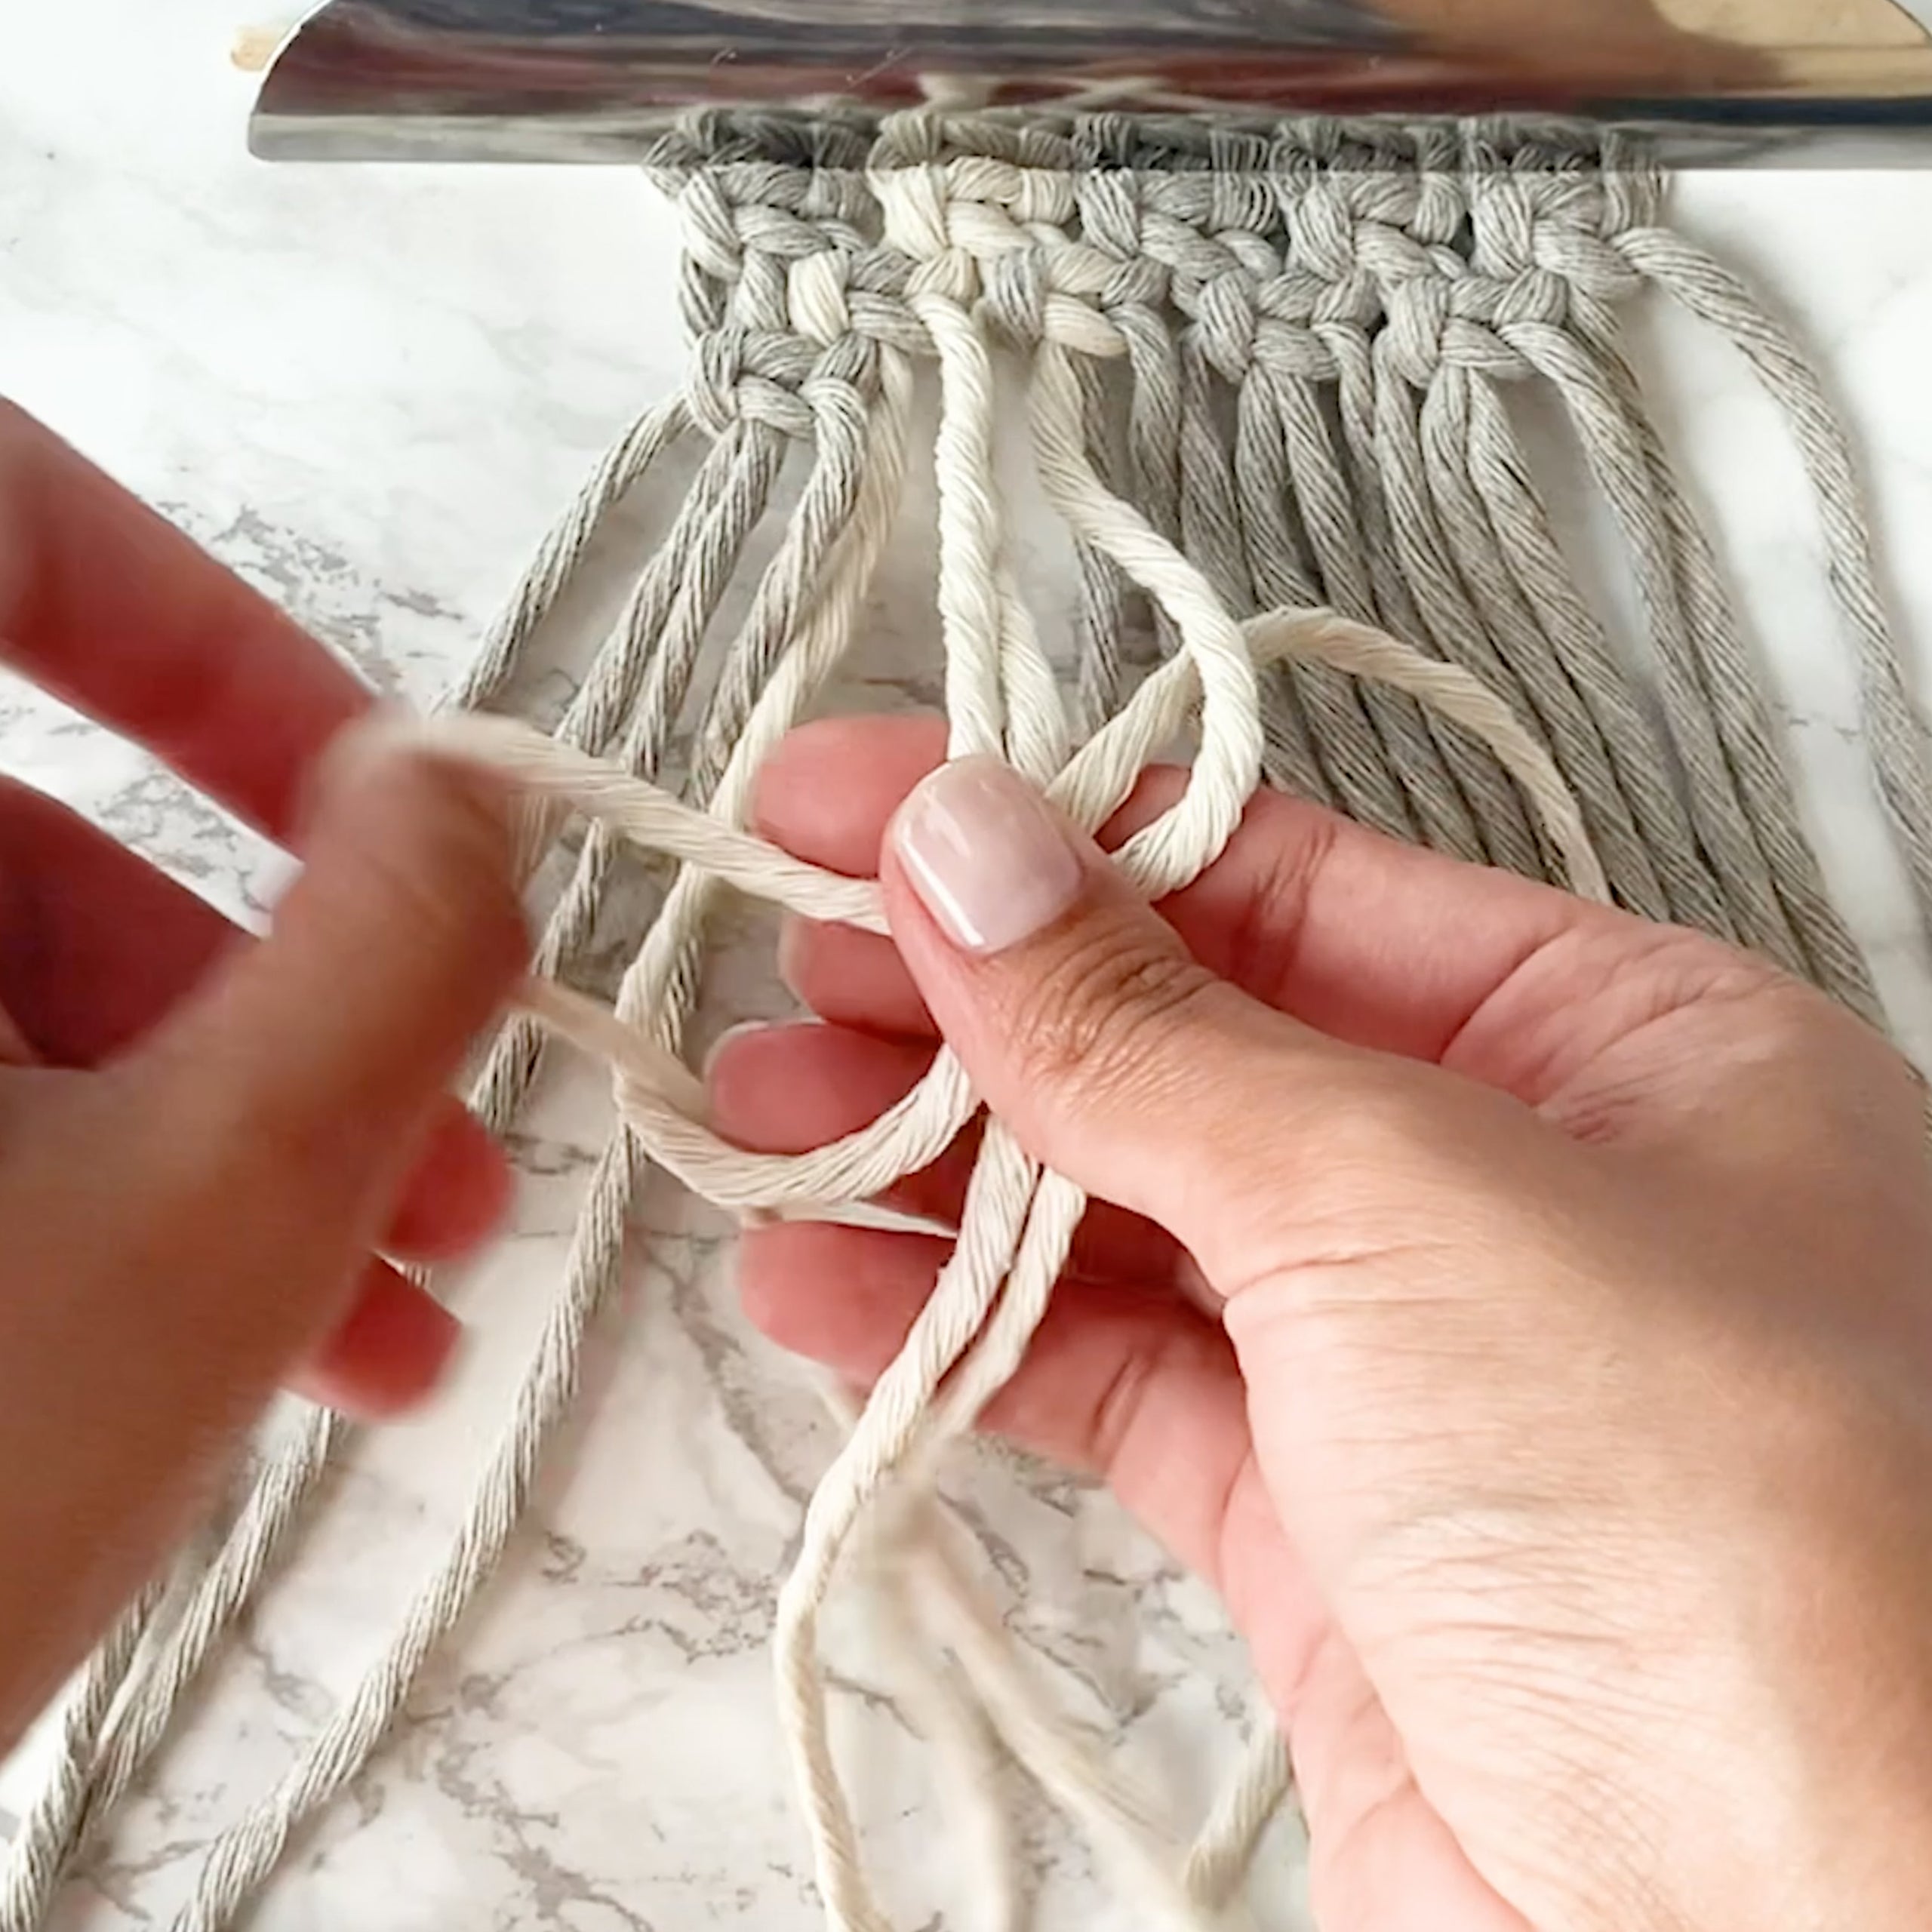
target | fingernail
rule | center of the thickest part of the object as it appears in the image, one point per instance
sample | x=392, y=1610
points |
x=363, y=748
x=986, y=854
x=432, y=815
x=738, y=1030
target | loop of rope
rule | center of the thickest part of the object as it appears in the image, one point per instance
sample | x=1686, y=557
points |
x=1017, y=1224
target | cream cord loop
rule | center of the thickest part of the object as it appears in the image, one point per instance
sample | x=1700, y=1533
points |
x=1018, y=1224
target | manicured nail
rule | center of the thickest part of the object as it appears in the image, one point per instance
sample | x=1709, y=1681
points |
x=363, y=748
x=736, y=1031
x=988, y=856
x=376, y=780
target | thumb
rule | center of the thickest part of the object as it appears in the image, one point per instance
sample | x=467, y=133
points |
x=285, y=1104
x=1116, y=1057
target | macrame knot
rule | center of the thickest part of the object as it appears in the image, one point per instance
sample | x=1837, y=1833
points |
x=1321, y=233
x=1412, y=341
x=1589, y=264
x=1286, y=347
x=917, y=214
x=1141, y=287
x=740, y=375
x=1520, y=229
x=1014, y=287
x=1225, y=321
x=1028, y=197
x=710, y=228
x=1194, y=258
x=838, y=392
x=815, y=303
x=1108, y=208
x=881, y=316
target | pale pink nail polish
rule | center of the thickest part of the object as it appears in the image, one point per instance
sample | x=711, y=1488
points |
x=736, y=1031
x=988, y=857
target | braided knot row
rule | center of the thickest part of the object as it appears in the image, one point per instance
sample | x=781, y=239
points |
x=1291, y=248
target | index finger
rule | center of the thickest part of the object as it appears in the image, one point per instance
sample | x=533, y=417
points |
x=105, y=605
x=1374, y=943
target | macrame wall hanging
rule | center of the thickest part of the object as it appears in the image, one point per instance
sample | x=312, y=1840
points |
x=1267, y=370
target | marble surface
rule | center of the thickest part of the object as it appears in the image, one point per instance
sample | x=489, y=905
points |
x=368, y=390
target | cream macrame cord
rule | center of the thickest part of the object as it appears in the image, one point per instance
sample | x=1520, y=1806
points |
x=1266, y=374
x=906, y=1415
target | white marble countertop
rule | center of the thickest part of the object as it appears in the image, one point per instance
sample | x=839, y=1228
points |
x=369, y=390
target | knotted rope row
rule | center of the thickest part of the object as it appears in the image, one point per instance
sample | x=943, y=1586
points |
x=1268, y=367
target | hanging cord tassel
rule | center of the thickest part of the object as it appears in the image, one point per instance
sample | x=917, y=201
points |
x=1895, y=733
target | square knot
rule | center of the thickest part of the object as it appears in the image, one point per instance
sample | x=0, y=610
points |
x=764, y=228
x=843, y=382
x=1550, y=228
x=1029, y=196
x=815, y=303
x=876, y=281
x=1412, y=340
x=710, y=227
x=1140, y=284
x=741, y=375
x=1194, y=258
x=1225, y=322
x=1385, y=196
x=1537, y=297
x=918, y=222
x=1590, y=264
x=915, y=205
x=1286, y=340
x=1049, y=289
x=1291, y=350
x=1321, y=232
x=1109, y=207
x=1441, y=323
x=1014, y=290
x=1395, y=259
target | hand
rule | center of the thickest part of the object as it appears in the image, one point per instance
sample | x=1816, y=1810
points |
x=1561, y=1446
x=204, y=1141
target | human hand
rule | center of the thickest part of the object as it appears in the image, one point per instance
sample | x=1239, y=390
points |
x=1560, y=1446
x=205, y=1142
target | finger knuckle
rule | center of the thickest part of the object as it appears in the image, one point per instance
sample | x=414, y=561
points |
x=1102, y=1011
x=1388, y=1120
x=1758, y=1022
x=1126, y=1408
x=1263, y=955
x=456, y=882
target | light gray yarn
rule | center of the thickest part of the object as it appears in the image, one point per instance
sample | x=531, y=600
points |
x=60, y=1817
x=1549, y=637
x=1319, y=321
x=1715, y=295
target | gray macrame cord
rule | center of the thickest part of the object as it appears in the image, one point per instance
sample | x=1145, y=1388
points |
x=1288, y=348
